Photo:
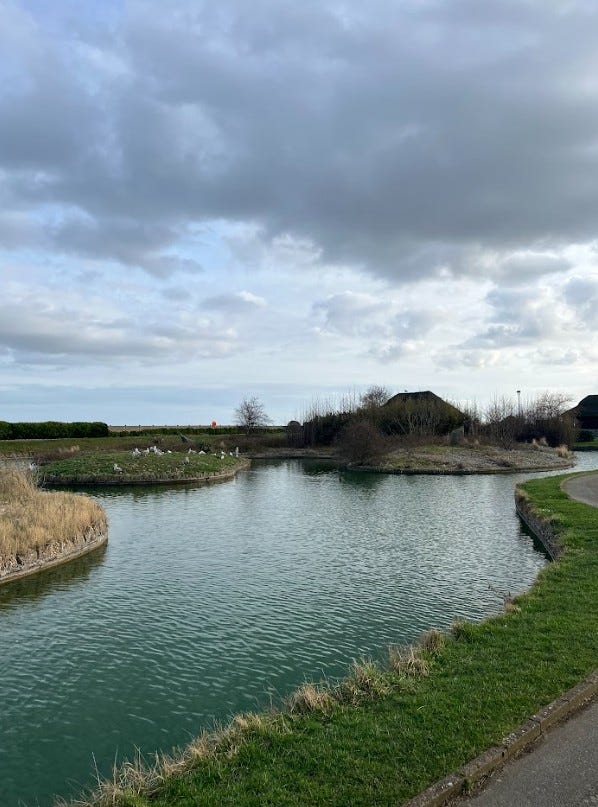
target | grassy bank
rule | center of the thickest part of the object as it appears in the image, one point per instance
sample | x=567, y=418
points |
x=31, y=519
x=383, y=735
x=122, y=467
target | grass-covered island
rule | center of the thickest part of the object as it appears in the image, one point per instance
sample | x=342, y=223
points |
x=40, y=529
x=470, y=457
x=384, y=734
x=140, y=466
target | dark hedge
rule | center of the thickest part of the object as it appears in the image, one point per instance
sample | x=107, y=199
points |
x=51, y=429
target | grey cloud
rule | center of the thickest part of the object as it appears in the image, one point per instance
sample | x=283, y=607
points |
x=238, y=303
x=36, y=334
x=551, y=356
x=581, y=294
x=525, y=267
x=353, y=314
x=397, y=140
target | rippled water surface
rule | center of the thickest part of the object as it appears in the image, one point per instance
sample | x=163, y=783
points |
x=208, y=601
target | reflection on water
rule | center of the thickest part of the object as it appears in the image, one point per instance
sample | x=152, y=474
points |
x=211, y=600
x=31, y=588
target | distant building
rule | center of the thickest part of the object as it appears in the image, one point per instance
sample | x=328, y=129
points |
x=586, y=413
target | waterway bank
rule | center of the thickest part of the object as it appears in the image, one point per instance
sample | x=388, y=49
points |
x=126, y=468
x=39, y=530
x=212, y=600
x=458, y=697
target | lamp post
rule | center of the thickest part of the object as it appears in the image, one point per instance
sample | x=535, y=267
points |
x=519, y=403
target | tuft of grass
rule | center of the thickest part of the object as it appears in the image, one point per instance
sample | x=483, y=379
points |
x=31, y=519
x=365, y=680
x=407, y=661
x=310, y=698
x=432, y=640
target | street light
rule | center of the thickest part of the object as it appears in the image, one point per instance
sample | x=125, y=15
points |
x=519, y=402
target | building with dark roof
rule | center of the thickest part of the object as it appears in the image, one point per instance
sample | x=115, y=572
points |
x=586, y=413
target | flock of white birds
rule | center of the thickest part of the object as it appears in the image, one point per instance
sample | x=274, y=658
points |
x=136, y=453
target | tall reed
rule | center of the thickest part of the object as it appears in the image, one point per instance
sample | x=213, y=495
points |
x=31, y=518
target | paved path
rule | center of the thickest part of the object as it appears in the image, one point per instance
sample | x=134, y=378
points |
x=562, y=769
x=583, y=489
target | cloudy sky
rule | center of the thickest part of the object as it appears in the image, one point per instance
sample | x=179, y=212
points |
x=201, y=201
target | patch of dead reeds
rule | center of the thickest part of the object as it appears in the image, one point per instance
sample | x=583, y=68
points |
x=31, y=518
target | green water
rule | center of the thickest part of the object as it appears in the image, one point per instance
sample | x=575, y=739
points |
x=208, y=601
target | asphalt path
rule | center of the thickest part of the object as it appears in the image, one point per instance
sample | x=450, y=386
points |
x=561, y=770
x=583, y=488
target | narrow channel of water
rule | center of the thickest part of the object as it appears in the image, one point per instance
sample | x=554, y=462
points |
x=208, y=601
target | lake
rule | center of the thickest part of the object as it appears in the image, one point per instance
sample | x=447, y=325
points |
x=212, y=600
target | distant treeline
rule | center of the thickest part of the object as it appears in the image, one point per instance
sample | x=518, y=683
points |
x=153, y=430
x=51, y=429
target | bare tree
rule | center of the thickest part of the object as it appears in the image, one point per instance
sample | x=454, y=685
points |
x=501, y=422
x=251, y=415
x=374, y=396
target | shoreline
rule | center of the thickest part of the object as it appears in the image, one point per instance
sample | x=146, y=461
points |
x=35, y=561
x=430, y=696
x=116, y=481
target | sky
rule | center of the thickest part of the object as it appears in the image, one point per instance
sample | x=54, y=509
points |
x=202, y=202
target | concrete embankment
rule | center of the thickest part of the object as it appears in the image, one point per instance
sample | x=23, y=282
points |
x=540, y=526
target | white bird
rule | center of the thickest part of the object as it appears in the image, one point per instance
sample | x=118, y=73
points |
x=136, y=453
x=237, y=451
x=117, y=468
x=191, y=451
x=186, y=460
x=32, y=466
x=202, y=452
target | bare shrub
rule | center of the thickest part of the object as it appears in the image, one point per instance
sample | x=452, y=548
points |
x=373, y=397
x=361, y=442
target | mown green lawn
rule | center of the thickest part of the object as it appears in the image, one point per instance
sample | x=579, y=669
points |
x=405, y=731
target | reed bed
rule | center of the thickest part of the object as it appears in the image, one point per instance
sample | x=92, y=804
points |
x=31, y=518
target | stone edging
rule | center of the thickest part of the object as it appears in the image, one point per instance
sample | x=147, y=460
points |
x=39, y=565
x=540, y=527
x=460, y=782
x=213, y=476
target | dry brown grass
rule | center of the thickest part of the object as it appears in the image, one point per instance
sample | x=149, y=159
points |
x=407, y=661
x=31, y=518
x=310, y=698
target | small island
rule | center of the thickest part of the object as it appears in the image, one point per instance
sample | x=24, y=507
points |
x=148, y=466
x=39, y=529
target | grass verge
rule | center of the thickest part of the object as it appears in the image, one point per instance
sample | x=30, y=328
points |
x=31, y=519
x=384, y=735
